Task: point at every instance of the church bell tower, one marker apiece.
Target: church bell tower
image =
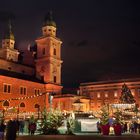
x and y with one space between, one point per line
8 52
48 57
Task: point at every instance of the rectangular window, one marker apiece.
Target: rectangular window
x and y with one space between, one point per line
23 90
7 88
106 95
98 95
54 51
133 92
54 79
43 51
37 91
115 94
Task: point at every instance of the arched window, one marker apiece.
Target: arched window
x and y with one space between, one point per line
22 105
6 103
37 105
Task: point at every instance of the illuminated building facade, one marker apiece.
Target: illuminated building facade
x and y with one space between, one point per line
25 85
108 92
28 79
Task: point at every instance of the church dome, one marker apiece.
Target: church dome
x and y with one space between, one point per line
9 35
48 21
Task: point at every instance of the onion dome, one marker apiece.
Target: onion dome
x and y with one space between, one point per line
48 21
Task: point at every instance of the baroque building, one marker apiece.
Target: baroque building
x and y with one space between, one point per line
27 88
109 92
31 81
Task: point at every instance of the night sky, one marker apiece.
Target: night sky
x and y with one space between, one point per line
101 38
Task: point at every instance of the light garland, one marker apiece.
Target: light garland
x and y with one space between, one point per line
23 98
124 106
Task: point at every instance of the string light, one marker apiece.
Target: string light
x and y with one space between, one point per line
23 98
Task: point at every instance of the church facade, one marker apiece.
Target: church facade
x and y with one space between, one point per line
26 88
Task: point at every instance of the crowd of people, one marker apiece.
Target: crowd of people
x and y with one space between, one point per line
132 127
14 127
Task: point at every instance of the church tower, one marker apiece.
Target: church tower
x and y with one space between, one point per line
48 57
8 52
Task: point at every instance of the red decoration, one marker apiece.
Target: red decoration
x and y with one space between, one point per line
117 129
105 129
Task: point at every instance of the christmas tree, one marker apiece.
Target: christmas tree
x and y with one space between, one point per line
126 95
52 121
104 115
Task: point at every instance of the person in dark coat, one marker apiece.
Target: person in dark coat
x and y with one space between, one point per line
125 127
2 129
11 130
32 128
21 127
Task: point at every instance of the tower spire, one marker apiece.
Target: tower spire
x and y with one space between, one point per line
9 34
8 51
10 26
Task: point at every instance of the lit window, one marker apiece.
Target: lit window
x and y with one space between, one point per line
7 88
115 94
99 104
133 92
23 90
98 95
106 95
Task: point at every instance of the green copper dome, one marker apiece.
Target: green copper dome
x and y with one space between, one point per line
48 21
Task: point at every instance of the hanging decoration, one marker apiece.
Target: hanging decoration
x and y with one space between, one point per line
23 98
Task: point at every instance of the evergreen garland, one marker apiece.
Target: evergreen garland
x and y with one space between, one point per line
126 95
